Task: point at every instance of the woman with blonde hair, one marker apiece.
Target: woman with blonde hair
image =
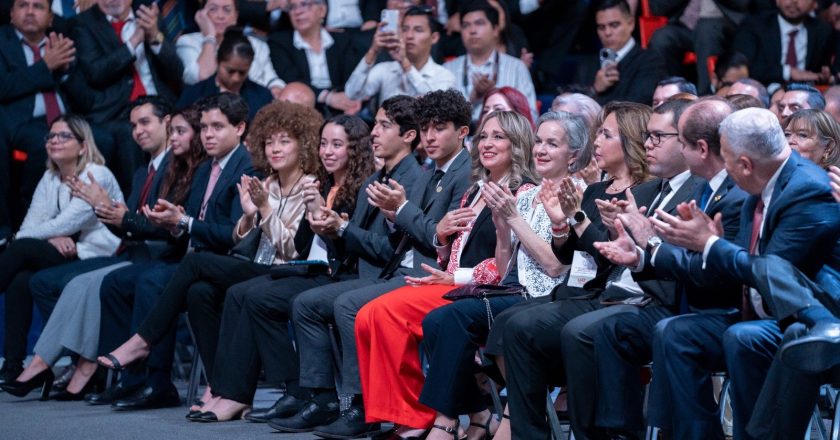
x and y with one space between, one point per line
815 134
58 228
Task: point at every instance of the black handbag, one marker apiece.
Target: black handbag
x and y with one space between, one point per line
483 293
246 249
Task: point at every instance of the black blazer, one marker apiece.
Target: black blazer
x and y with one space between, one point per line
367 235
291 65
802 225
673 9
640 70
106 65
215 232
254 94
759 38
20 83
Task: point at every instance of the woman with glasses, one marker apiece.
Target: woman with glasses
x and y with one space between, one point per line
58 228
198 50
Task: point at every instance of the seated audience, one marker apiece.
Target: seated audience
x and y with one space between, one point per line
58 229
122 55
234 60
198 50
74 323
506 99
412 72
814 134
311 55
299 93
389 330
729 68
741 102
483 68
799 96
630 73
669 87
787 44
832 102
749 86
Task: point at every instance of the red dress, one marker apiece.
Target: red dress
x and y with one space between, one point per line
389 330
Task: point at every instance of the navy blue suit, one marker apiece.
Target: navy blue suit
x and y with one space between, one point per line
801 225
129 293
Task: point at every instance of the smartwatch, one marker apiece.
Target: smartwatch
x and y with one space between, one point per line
579 217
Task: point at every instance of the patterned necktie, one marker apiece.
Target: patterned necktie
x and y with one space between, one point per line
51 107
172 18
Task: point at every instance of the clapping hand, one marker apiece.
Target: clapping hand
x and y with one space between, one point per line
328 224
621 251
111 214
691 229
312 199
164 214
93 193
500 200
551 202
388 198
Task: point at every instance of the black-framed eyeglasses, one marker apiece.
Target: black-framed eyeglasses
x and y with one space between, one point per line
656 137
60 136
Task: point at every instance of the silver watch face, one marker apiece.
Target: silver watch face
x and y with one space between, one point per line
654 241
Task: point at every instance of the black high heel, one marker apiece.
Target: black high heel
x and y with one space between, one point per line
43 379
95 384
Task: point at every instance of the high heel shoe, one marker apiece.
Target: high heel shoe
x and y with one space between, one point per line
210 416
95 384
43 379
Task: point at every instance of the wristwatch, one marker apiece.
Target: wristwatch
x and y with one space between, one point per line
183 224
579 217
652 243
341 228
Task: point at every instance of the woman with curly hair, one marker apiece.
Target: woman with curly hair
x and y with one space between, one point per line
254 329
74 323
283 144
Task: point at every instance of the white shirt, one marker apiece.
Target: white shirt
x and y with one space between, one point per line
717 181
54 212
388 79
800 41
628 46
343 14
319 73
512 72
262 71
141 64
40 107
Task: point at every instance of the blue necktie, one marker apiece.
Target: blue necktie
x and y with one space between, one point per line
705 197
67 9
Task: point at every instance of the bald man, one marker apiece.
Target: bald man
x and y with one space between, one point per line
299 93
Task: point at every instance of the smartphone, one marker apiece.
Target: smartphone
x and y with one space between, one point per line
608 57
390 18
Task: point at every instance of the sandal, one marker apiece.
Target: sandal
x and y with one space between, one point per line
115 364
486 426
449 430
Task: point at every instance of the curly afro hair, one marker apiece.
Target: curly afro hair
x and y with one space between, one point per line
299 122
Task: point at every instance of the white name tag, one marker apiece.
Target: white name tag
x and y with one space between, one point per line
583 269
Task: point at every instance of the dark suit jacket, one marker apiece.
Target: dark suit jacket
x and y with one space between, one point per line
368 236
802 225
215 232
254 94
731 9
20 83
291 65
640 70
106 65
759 38
727 201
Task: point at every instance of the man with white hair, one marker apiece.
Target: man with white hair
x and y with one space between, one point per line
577 104
751 87
790 213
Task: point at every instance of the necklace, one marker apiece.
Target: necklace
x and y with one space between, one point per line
612 190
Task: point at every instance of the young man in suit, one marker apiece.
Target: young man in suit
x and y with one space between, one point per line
787 45
634 73
397 241
790 213
622 343
122 54
205 224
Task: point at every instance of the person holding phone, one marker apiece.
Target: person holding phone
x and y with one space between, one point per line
624 71
413 71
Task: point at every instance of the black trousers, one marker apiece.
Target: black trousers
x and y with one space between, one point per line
254 334
199 283
18 263
532 350
603 351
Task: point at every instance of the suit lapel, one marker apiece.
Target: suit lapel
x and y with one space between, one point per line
447 179
483 216
687 189
227 174
771 211
719 195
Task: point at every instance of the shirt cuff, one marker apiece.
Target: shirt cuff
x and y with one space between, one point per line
401 207
708 247
156 47
640 266
463 276
189 225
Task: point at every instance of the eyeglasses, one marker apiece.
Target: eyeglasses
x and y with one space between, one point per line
656 137
305 5
61 136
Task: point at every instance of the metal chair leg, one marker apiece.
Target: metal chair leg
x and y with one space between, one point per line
553 421
816 420
196 371
835 421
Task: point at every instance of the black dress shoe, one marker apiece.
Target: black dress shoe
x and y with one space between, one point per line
149 398
815 352
286 406
351 424
112 394
310 416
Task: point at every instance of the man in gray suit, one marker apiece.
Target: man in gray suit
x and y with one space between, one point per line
392 233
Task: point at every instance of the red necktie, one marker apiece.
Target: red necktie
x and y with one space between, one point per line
144 194
747 310
51 107
791 58
138 89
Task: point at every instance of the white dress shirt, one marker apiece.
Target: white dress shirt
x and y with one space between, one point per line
388 79
800 41
319 72
262 71
40 107
343 14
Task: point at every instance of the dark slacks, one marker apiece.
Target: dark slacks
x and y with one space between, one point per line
46 285
338 303
199 283
21 260
687 349
254 334
451 336
602 351
532 350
